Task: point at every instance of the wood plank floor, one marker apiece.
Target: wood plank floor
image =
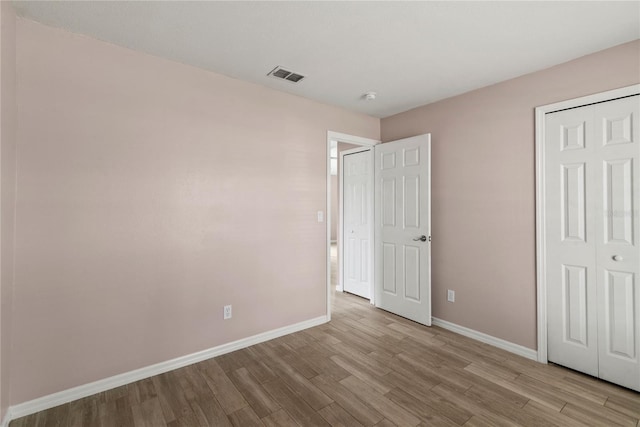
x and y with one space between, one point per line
366 367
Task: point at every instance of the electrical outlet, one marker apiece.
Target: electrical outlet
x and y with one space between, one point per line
227 312
451 295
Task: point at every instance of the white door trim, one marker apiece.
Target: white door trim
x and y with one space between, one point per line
349 139
340 285
541 250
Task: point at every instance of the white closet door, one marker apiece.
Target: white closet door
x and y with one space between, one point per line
571 258
592 186
617 198
358 205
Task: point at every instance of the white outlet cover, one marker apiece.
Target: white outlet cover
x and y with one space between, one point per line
320 216
451 295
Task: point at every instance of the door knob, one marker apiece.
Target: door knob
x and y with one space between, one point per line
617 258
422 238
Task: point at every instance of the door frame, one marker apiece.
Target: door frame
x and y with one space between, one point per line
541 249
349 139
340 285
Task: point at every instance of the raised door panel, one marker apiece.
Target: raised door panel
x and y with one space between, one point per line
573 135
389 271
388 186
573 202
411 198
618 201
617 128
619 315
388 160
364 261
350 256
574 305
412 273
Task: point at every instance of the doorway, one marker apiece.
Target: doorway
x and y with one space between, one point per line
336 142
402 227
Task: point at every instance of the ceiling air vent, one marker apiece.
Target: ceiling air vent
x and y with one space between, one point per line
281 73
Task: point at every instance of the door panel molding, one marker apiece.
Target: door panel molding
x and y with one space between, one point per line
618 303
618 178
574 303
615 132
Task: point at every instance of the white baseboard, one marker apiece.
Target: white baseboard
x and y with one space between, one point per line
59 398
487 339
7 419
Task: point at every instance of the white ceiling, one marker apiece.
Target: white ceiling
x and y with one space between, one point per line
410 53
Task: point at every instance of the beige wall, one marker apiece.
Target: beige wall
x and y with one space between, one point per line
484 188
7 178
150 195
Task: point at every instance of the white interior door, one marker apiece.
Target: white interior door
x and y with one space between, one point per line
357 196
403 228
592 209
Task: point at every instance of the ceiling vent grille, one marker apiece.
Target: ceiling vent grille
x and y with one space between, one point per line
283 74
